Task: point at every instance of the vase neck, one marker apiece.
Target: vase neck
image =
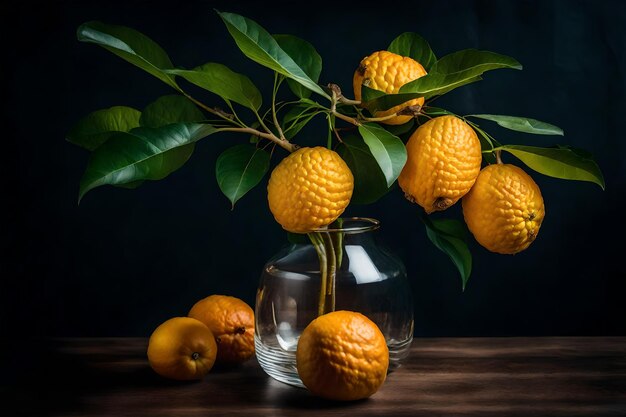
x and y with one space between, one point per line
329 244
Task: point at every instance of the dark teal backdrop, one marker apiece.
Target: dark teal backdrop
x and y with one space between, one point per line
124 261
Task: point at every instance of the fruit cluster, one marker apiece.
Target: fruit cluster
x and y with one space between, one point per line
218 329
502 205
341 355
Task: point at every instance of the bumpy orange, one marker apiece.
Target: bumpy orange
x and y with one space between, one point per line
232 322
443 161
386 71
504 210
182 348
309 189
342 356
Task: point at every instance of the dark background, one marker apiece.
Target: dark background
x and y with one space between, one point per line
124 261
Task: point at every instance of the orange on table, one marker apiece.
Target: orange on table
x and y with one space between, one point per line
182 348
231 321
342 356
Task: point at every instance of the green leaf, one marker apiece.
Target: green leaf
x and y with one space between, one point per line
258 45
561 162
97 127
521 124
387 149
414 46
139 155
369 182
170 109
220 80
438 84
239 169
451 227
435 84
478 61
449 236
375 99
450 72
164 111
131 45
457 69
307 58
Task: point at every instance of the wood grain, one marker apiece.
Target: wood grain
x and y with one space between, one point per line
455 376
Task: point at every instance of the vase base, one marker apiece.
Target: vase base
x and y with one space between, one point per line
398 352
278 363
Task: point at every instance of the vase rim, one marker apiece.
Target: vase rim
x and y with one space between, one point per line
368 224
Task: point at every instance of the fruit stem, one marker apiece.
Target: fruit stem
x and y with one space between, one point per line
343 100
329 252
331 127
339 97
320 248
331 269
336 94
498 156
336 131
195 356
380 119
345 118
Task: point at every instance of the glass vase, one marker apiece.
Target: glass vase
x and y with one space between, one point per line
338 268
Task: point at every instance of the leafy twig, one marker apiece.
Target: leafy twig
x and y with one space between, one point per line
215 111
270 136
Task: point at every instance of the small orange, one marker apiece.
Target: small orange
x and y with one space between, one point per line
182 348
232 322
388 72
342 356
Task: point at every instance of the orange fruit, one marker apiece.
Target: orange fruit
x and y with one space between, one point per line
309 189
342 356
443 161
504 209
182 348
231 321
386 71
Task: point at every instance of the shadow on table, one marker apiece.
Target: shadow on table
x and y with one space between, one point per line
44 377
286 396
57 378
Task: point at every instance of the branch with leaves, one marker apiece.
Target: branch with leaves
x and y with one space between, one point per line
129 146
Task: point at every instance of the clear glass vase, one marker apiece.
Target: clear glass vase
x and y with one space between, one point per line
338 268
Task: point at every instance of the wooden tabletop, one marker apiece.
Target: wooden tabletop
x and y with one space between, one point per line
452 376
